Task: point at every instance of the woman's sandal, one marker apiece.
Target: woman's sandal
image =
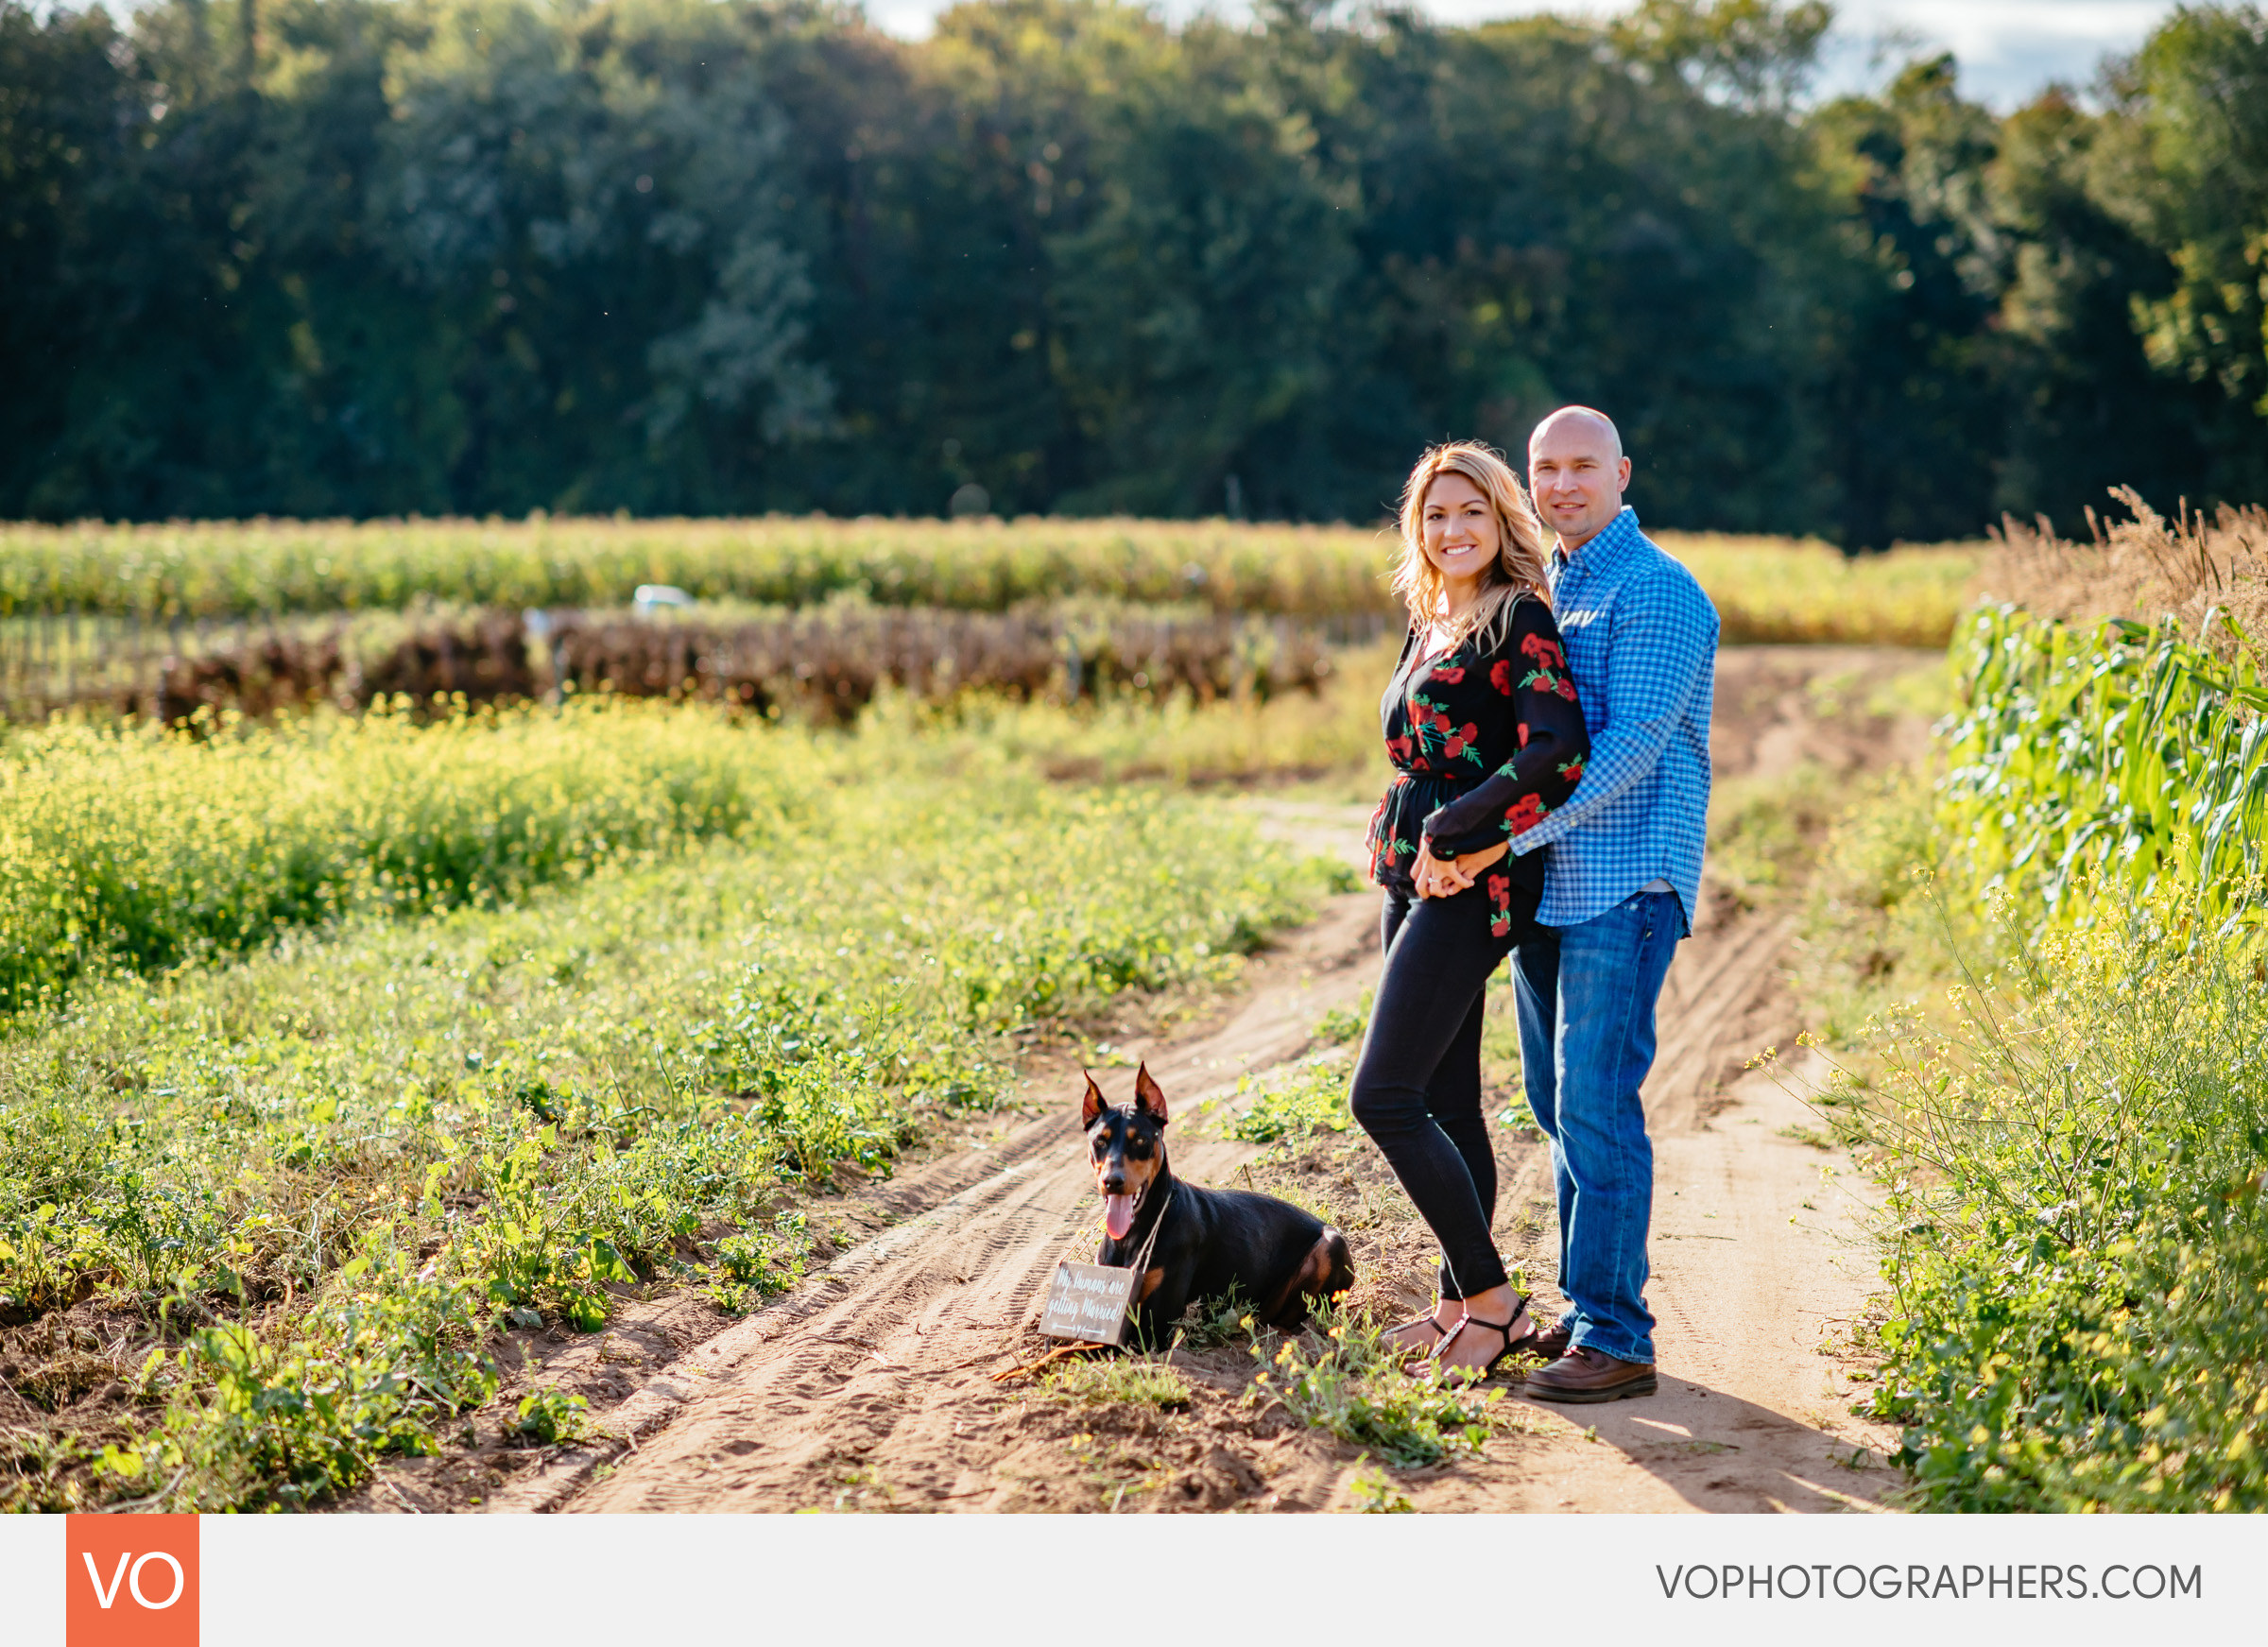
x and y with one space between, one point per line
1441 1336
1525 1344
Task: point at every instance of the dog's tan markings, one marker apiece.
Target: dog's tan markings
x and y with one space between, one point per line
1309 1278
1151 1280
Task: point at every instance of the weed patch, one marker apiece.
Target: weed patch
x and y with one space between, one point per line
1351 1385
2081 1232
1370 1491
1128 1380
1312 1099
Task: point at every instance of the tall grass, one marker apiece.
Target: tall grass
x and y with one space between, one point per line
2146 567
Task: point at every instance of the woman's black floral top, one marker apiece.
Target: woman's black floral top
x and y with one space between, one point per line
1484 743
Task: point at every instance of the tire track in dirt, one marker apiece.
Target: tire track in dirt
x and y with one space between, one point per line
876 1373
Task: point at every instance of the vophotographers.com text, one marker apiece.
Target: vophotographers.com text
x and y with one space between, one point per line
1915 1581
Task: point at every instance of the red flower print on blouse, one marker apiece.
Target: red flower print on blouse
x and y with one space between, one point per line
1468 738
1500 894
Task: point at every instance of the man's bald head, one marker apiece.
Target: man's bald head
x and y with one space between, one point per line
1590 421
1577 472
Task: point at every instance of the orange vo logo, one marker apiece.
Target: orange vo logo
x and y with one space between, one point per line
130 1581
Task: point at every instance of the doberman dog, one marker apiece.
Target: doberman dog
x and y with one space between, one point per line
1211 1240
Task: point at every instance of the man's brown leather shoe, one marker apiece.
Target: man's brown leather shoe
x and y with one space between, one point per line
1586 1375
1545 1343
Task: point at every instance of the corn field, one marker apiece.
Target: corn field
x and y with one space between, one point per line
2110 751
2077 1140
269 567
162 579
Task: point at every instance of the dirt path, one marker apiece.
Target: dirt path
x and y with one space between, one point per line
871 1386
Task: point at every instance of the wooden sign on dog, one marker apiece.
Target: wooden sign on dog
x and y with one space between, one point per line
1088 1302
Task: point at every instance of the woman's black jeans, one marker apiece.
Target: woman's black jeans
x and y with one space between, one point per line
1417 1082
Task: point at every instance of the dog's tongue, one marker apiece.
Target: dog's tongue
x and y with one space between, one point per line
1118 1215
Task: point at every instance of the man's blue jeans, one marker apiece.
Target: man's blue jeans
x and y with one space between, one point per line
1586 996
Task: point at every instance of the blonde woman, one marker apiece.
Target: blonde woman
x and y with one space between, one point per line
1486 738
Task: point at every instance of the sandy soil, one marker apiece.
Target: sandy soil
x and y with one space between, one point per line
871 1386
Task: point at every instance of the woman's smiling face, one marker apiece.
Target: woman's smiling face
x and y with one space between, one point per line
1459 532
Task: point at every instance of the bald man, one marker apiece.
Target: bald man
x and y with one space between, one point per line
1619 890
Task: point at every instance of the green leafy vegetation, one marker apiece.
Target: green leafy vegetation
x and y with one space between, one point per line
1311 1098
1342 1376
548 1417
124 848
318 1181
1370 1491
2074 1133
1343 1025
2080 1275
2118 751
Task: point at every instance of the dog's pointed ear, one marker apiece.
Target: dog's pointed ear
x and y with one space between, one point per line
1147 1098
1090 1106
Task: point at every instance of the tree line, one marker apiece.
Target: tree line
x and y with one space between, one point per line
371 257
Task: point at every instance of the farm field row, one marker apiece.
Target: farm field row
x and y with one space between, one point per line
822 663
1767 589
262 1220
2063 1079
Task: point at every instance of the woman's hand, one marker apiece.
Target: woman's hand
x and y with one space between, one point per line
1445 877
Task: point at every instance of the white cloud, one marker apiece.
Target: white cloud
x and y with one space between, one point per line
2007 49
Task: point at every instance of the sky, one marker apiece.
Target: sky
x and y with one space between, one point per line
2007 49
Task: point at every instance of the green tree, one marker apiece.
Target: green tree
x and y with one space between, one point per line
2188 169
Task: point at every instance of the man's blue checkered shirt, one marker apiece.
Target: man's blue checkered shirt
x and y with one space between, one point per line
1641 644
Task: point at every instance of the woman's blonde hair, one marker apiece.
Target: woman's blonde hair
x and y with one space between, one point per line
1519 568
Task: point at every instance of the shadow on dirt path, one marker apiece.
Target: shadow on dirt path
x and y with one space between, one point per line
871 1386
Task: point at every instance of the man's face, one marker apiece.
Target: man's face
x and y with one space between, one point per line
1577 477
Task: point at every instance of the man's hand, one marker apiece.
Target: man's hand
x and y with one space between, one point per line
1445 877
